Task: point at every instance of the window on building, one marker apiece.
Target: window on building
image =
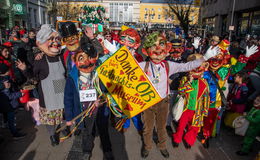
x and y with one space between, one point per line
159 9
145 16
159 16
172 16
121 12
35 17
44 17
166 17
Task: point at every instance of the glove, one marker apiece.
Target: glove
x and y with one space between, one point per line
211 52
249 51
196 42
109 46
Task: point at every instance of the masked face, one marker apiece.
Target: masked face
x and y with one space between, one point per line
128 41
52 46
72 42
176 52
84 63
216 62
159 50
198 72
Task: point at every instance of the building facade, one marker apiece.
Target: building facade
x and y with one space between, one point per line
158 12
38 13
13 12
217 14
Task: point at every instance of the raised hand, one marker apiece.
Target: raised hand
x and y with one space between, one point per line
109 46
211 52
21 65
196 42
250 51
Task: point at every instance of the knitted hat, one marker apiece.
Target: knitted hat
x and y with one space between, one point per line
3 68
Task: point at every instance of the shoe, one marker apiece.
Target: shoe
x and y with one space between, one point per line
86 156
18 136
144 153
241 153
205 143
186 145
108 156
165 153
175 145
169 130
54 140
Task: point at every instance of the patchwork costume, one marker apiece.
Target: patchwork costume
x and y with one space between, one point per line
196 107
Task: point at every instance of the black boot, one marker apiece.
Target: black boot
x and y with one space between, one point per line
175 145
144 153
53 141
205 143
165 153
186 145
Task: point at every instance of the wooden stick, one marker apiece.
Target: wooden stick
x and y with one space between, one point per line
74 119
77 117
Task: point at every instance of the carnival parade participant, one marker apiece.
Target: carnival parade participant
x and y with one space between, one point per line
130 38
196 92
219 70
72 38
49 71
83 80
158 71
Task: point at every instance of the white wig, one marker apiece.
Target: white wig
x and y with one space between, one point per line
44 33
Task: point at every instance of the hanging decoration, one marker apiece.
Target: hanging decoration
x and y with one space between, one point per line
93 15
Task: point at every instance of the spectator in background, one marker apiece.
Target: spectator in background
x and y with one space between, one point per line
9 100
238 94
235 50
5 58
32 39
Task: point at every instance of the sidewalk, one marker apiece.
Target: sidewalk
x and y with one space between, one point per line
36 146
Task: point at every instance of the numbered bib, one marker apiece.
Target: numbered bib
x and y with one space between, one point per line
88 95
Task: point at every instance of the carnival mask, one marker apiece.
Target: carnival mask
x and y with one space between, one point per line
198 72
159 50
85 59
72 42
216 62
52 45
176 52
130 38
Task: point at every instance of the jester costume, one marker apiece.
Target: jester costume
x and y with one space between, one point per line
220 76
197 103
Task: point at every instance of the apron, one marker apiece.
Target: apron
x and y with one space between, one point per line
53 86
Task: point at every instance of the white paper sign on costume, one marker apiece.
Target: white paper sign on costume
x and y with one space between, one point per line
88 95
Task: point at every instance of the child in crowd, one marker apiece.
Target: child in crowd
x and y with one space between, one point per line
9 100
238 95
253 129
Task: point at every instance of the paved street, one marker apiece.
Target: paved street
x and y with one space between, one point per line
36 146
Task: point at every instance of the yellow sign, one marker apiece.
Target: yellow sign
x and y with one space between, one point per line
127 83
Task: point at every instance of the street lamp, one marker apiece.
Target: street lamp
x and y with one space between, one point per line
232 19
